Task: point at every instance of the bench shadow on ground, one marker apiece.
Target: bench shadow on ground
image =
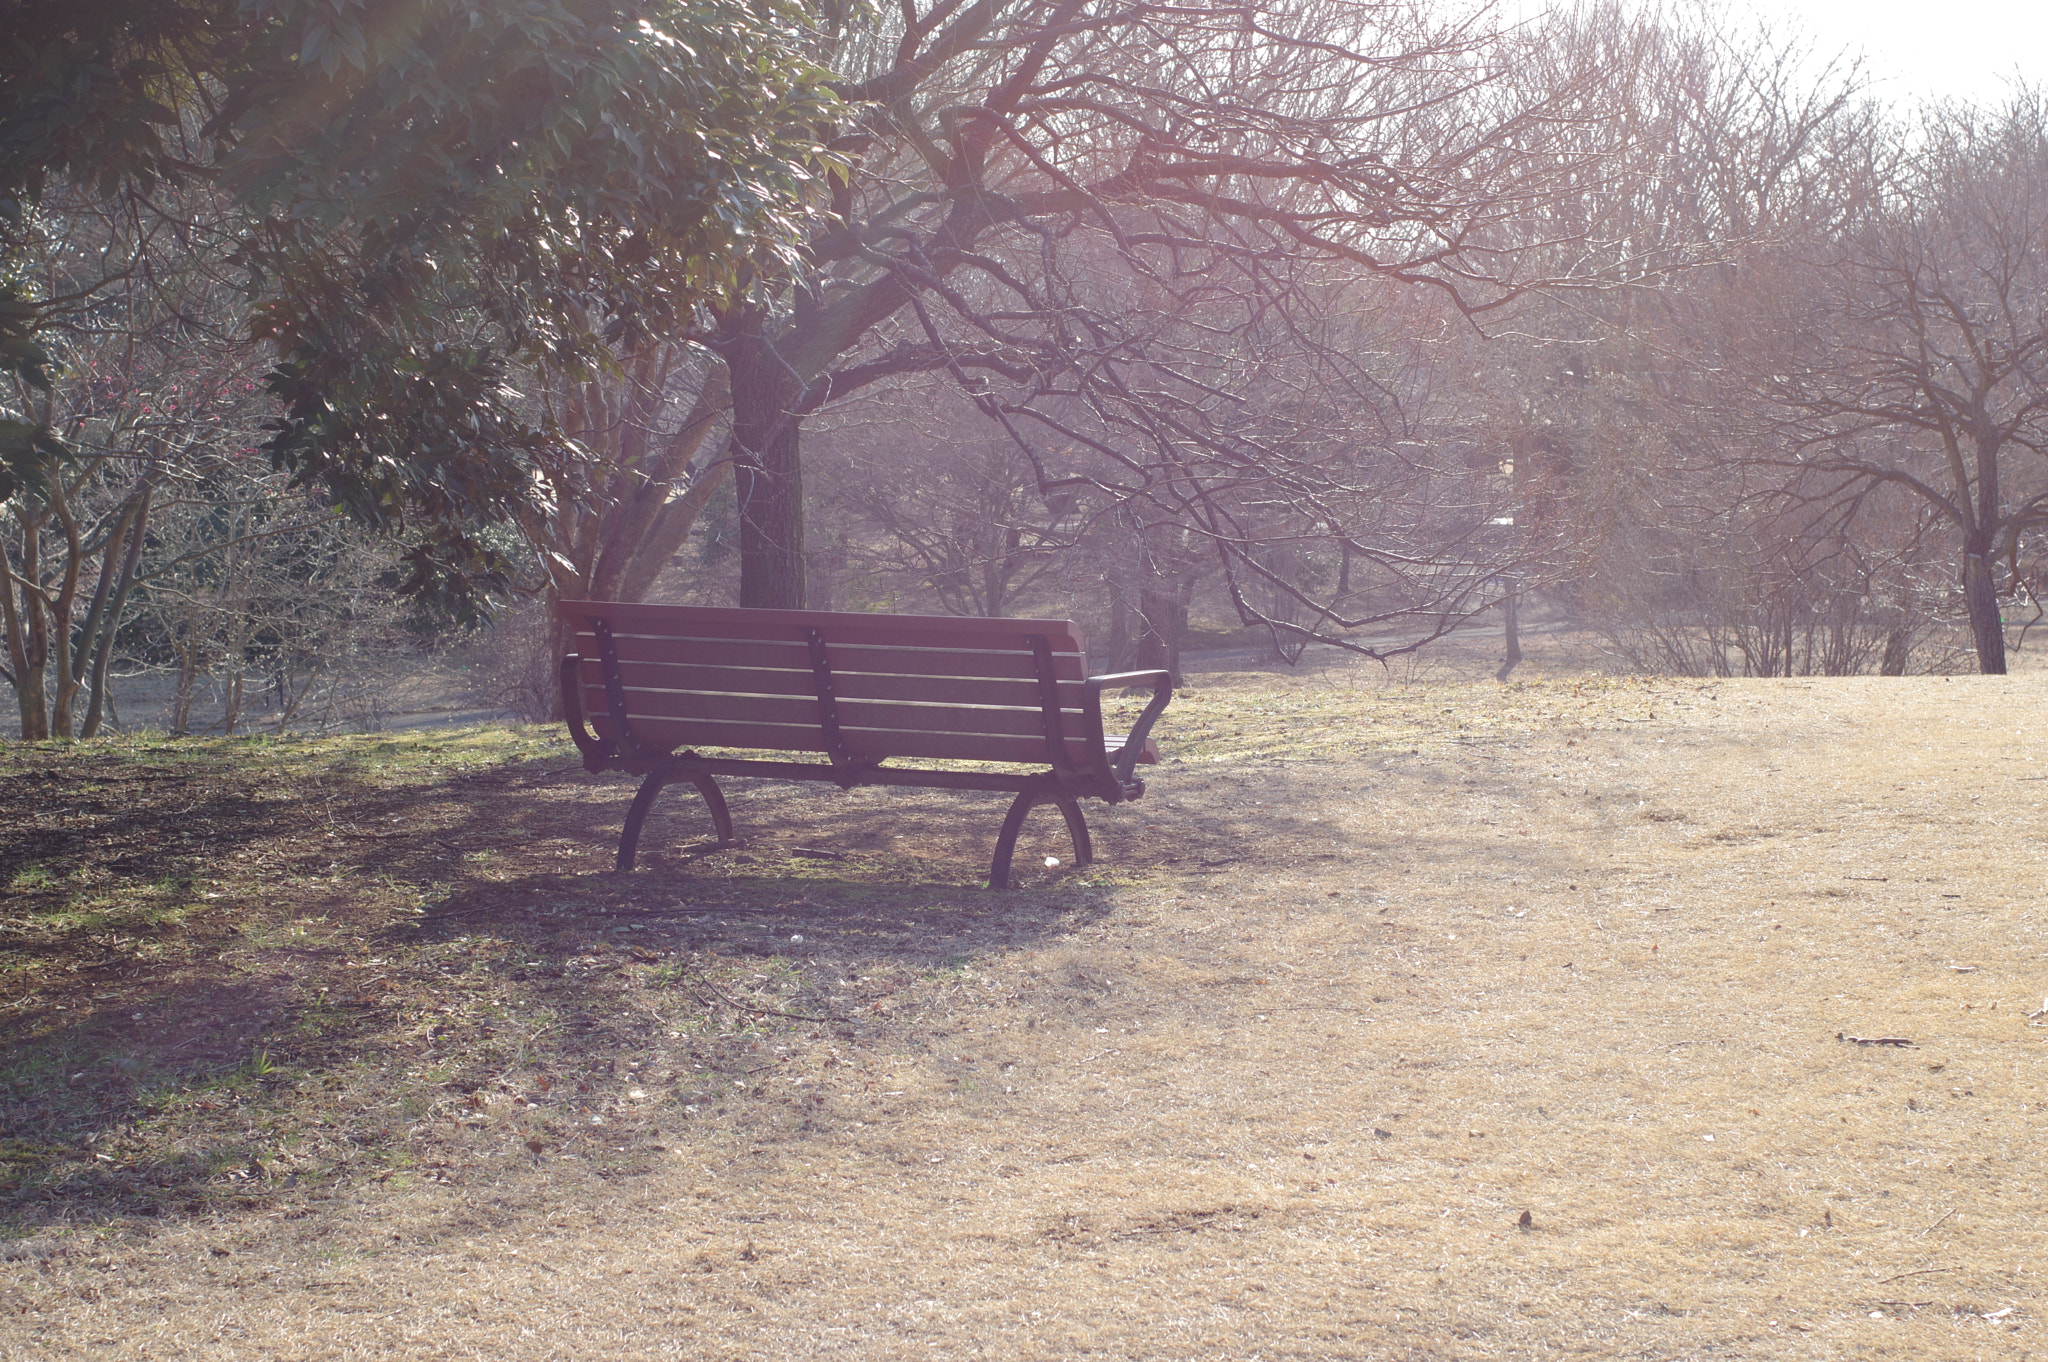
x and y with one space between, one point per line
203 970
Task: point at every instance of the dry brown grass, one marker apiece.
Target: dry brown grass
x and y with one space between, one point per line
1277 1079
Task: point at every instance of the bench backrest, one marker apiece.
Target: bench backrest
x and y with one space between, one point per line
903 685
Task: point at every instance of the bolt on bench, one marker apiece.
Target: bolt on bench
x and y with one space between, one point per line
863 690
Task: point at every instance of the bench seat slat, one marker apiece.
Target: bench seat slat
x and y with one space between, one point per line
644 706
864 743
658 676
951 631
1019 723
848 685
1010 640
800 710
1016 664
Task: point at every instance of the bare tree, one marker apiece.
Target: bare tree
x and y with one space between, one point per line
1100 220
263 608
166 542
147 376
1710 580
1911 351
1581 392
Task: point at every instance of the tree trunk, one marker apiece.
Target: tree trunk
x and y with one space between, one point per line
99 702
31 673
188 678
1123 639
62 638
1511 616
768 477
231 700
86 639
14 605
1898 647
1980 595
1165 620
32 681
1520 458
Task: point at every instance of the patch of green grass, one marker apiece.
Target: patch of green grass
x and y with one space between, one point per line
32 877
32 1071
115 914
17 966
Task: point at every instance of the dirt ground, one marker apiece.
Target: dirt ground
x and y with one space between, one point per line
1410 1018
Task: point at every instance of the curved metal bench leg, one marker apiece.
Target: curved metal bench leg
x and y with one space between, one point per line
636 818
1077 828
643 803
721 817
1013 824
1006 841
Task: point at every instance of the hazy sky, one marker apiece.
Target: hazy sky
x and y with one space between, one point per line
1934 49
1913 49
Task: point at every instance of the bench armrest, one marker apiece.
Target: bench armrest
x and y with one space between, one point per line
597 755
1162 693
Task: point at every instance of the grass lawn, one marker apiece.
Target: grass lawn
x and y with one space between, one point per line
351 1046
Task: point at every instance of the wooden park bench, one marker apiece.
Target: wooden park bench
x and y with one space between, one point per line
865 691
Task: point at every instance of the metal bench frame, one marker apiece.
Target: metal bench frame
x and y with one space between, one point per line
1106 774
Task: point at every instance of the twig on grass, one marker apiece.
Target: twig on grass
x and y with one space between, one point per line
1923 1233
1877 1040
1920 1273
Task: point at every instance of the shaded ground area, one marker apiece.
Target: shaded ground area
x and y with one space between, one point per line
1280 1076
230 964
